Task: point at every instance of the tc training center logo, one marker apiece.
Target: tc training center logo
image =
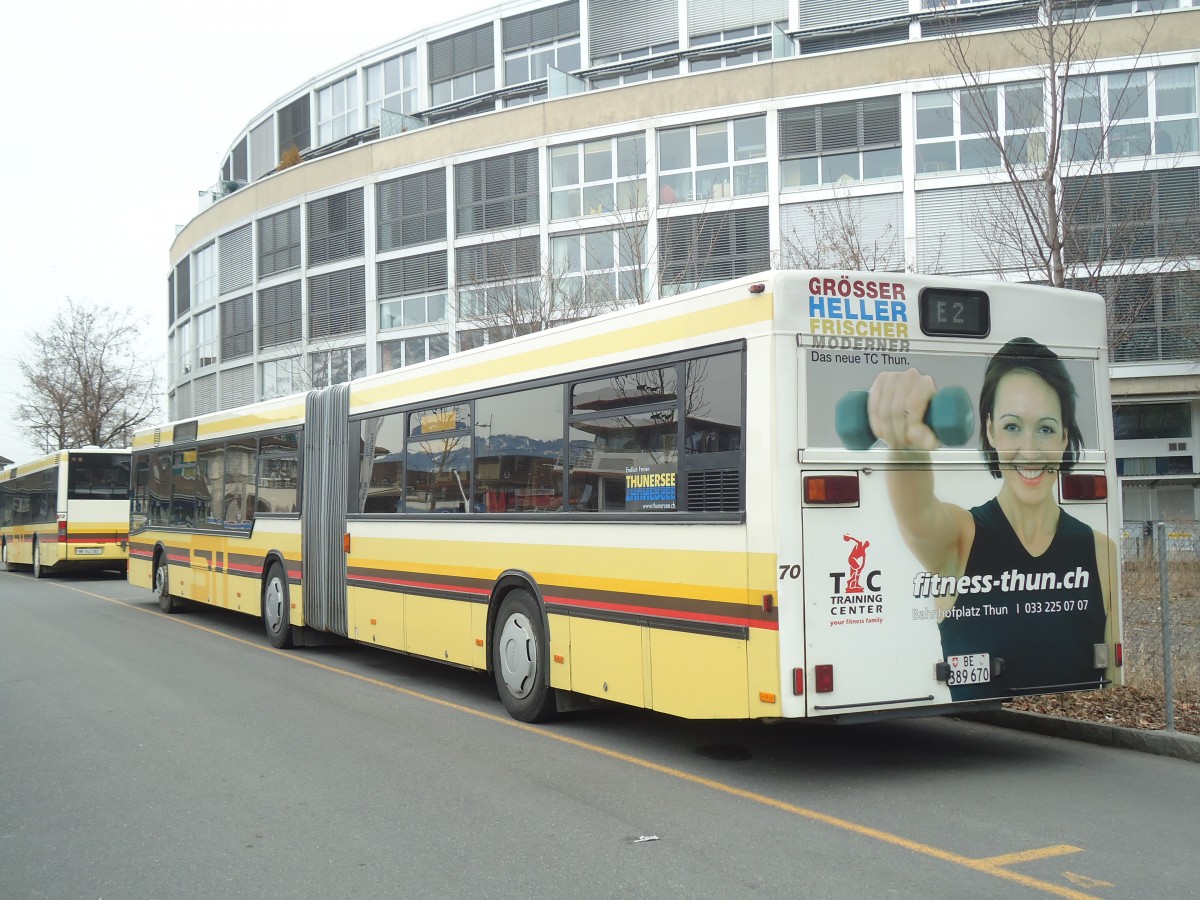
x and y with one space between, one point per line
857 597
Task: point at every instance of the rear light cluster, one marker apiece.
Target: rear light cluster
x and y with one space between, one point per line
1084 487
822 680
831 489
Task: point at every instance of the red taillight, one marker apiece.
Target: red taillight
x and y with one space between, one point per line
1119 653
830 488
824 679
1084 487
62 529
798 682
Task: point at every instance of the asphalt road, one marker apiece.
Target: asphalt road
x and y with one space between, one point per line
153 756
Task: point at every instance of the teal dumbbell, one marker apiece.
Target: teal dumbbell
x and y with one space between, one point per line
950 415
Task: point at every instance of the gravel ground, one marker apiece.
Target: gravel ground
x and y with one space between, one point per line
1128 707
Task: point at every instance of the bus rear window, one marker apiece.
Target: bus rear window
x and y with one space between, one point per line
100 477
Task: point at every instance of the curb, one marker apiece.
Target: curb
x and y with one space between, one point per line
1160 743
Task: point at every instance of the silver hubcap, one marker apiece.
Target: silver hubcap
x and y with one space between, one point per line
160 581
37 560
273 605
518 655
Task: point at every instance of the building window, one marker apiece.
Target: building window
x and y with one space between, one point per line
183 348
1150 421
206 338
1154 317
718 59
410 210
410 350
337 303
293 125
412 290
496 193
709 248
183 286
337 110
204 274
279 242
281 377
957 130
279 315
651 71
392 86
1123 7
597 177
236 257
541 38
712 161
500 286
1130 215
599 270
1122 114
840 143
328 367
335 227
237 327
462 65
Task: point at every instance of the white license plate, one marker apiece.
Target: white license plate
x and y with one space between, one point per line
88 551
970 668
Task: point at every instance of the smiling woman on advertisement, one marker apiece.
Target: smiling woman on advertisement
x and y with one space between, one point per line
1017 577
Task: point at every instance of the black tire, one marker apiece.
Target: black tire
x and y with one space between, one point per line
8 567
520 659
38 571
167 601
277 608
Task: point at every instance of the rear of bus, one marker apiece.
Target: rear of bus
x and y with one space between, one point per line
918 581
93 522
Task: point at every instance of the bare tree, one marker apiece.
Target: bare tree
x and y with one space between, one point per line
1080 197
86 381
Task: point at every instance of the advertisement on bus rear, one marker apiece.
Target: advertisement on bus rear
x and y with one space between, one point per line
962 533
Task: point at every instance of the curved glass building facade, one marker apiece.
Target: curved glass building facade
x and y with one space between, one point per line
539 162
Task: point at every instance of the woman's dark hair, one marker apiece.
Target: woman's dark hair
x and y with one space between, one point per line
1024 354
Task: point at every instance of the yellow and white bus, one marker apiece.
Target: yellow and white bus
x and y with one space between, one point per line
684 506
68 510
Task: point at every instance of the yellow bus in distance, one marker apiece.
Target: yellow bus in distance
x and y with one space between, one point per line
68 510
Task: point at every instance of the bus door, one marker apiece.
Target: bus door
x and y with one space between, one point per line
326 475
868 649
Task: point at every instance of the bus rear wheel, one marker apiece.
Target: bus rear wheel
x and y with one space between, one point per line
520 654
276 608
8 567
37 560
167 602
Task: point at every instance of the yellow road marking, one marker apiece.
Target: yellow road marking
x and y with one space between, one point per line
992 865
1029 855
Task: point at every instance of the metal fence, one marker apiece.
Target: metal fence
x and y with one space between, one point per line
1160 586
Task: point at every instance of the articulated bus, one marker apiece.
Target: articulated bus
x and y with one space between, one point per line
794 495
68 510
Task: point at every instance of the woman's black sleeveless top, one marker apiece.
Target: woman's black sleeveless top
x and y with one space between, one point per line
1042 615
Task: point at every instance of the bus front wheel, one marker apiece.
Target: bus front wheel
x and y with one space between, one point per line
276 608
519 659
162 587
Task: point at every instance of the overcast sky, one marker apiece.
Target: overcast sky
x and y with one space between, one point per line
117 115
